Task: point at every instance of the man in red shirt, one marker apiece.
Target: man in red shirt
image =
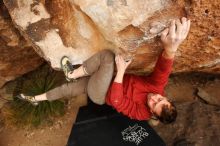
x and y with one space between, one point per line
128 93
138 97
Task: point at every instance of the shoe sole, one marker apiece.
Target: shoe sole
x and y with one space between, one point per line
63 62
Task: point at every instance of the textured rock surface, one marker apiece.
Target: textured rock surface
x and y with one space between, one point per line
210 93
16 55
56 29
196 125
79 28
6 93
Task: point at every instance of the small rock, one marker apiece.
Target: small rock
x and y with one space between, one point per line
29 135
208 97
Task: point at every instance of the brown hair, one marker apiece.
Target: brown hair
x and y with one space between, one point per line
168 114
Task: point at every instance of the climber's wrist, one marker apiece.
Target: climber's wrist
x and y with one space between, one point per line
169 54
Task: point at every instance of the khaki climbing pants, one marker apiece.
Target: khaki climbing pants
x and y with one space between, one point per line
100 68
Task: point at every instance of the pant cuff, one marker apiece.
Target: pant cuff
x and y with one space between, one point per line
85 70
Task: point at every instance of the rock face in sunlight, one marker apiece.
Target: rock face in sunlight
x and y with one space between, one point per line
56 28
80 28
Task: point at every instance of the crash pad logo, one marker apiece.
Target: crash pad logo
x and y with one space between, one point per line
134 134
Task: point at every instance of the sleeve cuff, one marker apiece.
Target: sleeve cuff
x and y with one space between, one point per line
116 85
166 60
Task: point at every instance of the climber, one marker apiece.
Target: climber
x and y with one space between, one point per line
138 97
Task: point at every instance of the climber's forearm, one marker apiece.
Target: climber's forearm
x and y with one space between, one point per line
121 65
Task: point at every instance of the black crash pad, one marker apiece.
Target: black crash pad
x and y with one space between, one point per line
102 126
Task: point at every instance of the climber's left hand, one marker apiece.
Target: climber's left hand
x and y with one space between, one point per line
173 36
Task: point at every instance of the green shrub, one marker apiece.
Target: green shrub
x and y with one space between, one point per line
38 82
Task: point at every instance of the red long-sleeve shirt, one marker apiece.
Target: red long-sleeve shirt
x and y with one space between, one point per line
130 97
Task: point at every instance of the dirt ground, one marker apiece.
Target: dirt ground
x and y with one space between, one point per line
55 135
197 123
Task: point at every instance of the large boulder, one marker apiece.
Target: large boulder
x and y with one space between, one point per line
80 28
16 55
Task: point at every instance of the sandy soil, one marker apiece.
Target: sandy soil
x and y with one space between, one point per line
55 135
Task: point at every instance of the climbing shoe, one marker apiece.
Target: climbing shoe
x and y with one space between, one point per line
67 67
30 99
